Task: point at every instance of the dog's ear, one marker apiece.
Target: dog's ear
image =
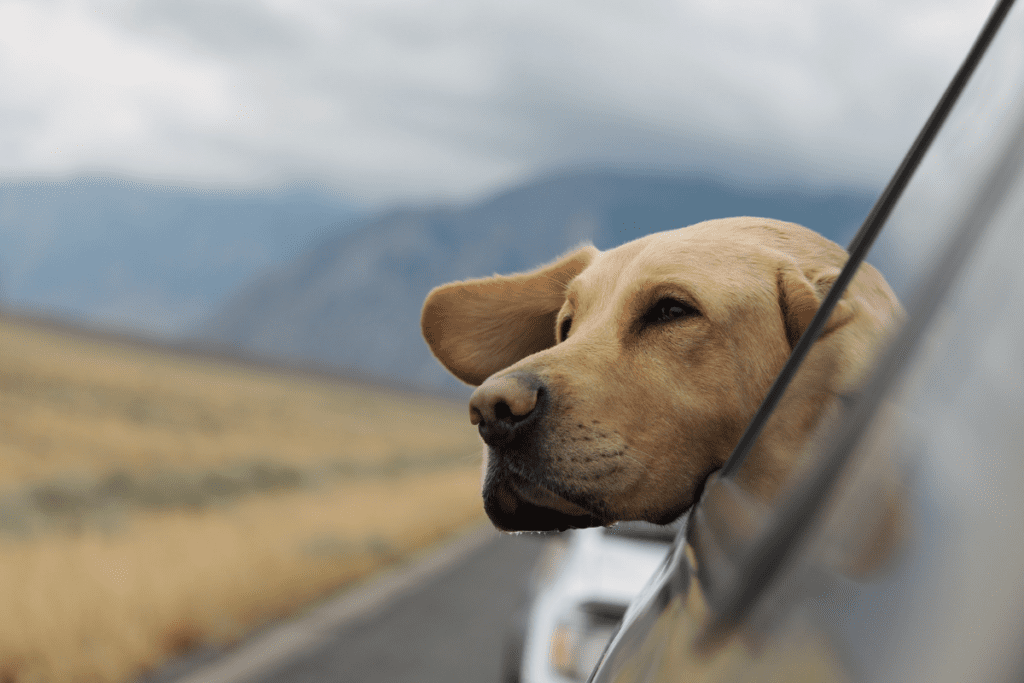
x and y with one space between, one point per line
478 327
800 294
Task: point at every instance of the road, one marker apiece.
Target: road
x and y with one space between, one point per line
442 623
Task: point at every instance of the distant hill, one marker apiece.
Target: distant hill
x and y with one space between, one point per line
353 300
144 257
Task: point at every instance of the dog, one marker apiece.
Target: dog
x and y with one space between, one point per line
611 384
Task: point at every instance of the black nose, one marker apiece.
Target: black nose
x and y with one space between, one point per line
506 408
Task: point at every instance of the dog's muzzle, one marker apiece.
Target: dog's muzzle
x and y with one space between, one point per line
510 412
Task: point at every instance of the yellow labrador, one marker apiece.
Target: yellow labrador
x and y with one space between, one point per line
611 384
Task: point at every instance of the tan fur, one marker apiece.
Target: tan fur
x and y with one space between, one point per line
640 416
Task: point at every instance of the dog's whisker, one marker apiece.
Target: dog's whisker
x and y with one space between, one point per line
642 465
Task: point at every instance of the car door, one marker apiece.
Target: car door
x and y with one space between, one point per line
800 591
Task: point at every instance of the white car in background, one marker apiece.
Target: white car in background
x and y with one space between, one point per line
580 589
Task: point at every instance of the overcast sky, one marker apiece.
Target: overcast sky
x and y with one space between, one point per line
401 100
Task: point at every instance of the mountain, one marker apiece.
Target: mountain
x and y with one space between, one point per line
143 257
352 302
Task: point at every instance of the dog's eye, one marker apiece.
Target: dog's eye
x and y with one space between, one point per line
668 309
564 330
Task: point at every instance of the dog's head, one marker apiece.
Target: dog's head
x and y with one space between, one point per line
611 384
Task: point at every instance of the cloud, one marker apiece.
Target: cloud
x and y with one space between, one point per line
402 99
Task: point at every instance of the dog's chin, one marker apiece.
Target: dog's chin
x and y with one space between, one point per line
512 509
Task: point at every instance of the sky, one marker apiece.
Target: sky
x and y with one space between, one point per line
401 100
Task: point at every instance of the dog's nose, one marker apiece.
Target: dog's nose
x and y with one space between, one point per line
503 407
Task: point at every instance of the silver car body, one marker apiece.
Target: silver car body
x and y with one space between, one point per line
943 416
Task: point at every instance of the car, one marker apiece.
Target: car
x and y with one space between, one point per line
579 591
798 591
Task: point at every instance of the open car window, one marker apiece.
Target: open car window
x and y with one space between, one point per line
942 415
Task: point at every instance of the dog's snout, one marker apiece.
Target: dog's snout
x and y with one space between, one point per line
504 407
504 398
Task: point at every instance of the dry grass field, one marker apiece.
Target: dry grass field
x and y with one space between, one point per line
151 501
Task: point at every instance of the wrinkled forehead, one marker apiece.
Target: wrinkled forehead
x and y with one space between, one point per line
711 268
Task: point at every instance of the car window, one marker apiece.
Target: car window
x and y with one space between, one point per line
953 417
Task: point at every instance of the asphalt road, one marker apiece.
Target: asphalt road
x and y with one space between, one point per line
450 630
447 624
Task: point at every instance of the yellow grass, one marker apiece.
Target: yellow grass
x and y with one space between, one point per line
93 607
103 603
69 404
